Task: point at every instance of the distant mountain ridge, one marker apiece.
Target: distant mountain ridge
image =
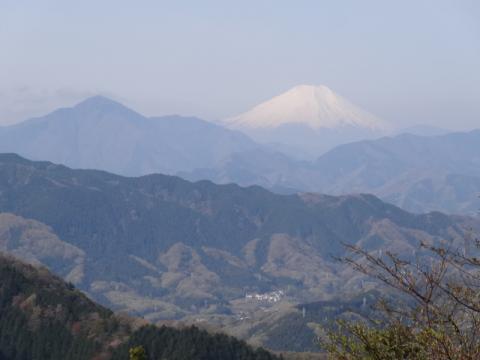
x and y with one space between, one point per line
423 130
417 173
99 133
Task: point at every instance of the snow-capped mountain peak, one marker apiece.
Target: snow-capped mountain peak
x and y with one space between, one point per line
315 106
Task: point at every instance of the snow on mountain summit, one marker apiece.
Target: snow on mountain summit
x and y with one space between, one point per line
315 106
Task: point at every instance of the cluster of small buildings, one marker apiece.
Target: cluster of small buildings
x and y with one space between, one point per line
271 297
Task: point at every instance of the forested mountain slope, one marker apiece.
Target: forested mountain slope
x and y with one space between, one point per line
167 248
43 318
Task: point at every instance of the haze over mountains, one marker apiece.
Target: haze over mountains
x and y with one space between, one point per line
417 173
240 181
102 134
414 172
238 259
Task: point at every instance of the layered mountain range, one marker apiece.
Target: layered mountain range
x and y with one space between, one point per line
165 248
417 173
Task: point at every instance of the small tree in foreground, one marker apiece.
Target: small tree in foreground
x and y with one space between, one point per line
137 353
438 316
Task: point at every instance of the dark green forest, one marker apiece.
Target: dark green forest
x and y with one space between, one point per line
44 318
189 343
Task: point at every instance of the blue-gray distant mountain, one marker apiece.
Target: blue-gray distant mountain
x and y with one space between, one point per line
102 134
423 130
417 173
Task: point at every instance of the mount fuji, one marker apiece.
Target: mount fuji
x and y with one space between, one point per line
308 120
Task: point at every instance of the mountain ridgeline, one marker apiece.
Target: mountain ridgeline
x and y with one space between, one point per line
165 248
100 133
417 173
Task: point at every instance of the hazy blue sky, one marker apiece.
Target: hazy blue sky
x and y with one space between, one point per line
406 61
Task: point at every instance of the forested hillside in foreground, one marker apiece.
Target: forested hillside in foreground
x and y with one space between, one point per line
42 318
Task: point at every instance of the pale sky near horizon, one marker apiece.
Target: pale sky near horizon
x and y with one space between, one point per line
408 62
